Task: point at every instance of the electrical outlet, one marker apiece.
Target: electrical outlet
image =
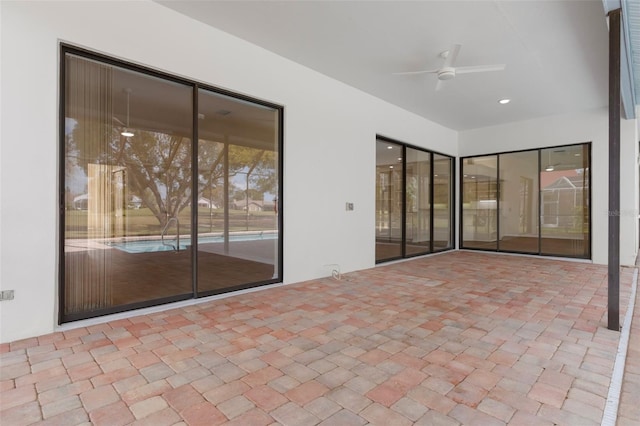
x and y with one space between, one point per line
6 295
349 207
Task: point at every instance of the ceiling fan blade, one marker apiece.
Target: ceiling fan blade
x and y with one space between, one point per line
439 85
452 55
480 68
416 72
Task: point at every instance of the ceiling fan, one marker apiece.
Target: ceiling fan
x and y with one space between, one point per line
448 71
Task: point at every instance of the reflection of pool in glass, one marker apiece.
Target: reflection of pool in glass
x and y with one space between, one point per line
152 246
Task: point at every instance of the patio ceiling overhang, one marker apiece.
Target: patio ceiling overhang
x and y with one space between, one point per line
629 53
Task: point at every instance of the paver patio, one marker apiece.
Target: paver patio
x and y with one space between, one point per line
457 338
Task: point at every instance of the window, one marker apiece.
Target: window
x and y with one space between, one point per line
534 201
169 190
413 201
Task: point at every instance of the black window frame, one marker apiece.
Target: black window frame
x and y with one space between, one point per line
65 49
539 150
452 221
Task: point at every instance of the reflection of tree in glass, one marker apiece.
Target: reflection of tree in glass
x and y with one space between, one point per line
258 164
158 165
159 170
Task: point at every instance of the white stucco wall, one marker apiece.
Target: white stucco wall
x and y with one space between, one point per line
591 126
329 154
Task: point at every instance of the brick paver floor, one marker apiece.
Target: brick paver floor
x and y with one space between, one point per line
458 338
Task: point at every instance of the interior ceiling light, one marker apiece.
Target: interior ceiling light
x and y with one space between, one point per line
389 147
504 101
399 158
126 132
391 167
550 167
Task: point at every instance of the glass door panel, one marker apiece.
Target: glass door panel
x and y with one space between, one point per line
238 186
480 202
417 202
519 202
442 185
127 187
389 196
564 198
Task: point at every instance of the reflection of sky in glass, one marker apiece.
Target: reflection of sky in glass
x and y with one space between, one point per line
69 125
76 180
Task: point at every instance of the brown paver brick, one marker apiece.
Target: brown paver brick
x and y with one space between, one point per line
265 397
60 406
409 408
183 397
386 394
431 399
144 408
496 409
254 417
381 415
17 396
349 399
471 417
112 415
203 414
294 415
235 406
322 407
23 414
343 417
99 397
224 392
306 392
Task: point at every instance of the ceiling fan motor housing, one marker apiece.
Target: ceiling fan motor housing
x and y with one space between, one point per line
447 73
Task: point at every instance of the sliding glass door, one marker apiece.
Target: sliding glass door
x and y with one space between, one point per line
418 202
237 193
519 202
413 201
564 198
137 193
534 201
480 202
127 188
442 202
389 200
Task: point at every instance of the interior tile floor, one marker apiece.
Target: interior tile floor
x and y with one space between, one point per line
457 338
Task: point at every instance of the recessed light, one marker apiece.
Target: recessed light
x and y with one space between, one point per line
504 101
127 133
473 177
389 147
466 175
399 158
549 168
577 154
391 167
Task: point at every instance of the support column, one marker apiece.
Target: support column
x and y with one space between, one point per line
614 172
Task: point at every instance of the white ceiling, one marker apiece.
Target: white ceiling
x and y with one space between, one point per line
555 51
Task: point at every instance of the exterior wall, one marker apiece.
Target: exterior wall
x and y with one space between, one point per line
591 126
329 139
